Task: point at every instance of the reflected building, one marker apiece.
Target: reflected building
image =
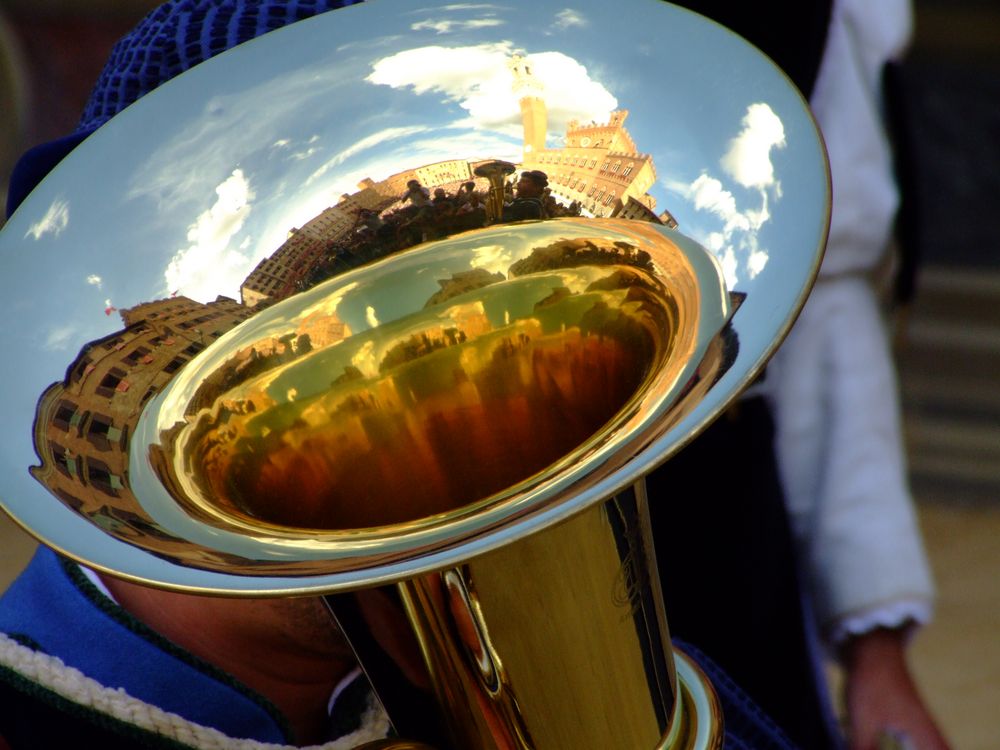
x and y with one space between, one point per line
277 275
286 271
599 165
83 423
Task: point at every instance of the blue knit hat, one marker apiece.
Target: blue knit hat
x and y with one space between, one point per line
176 36
180 34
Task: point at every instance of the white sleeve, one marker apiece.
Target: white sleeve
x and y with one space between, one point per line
839 442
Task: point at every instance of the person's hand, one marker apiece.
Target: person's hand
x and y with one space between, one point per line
884 707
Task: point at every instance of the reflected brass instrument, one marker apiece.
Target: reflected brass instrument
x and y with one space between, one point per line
496 172
426 409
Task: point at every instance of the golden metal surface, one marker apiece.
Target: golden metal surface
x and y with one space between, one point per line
569 655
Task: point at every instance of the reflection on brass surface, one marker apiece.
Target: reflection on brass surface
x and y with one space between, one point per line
455 409
471 389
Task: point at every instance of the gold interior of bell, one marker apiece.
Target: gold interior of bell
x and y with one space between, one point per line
493 380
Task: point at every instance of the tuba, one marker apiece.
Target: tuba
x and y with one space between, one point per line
245 368
495 173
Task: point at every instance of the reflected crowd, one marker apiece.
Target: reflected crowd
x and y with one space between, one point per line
421 215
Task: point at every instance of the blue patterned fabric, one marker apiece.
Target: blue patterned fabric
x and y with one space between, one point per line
747 727
52 608
180 34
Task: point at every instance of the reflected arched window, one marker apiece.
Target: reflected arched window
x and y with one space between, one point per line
627 171
616 166
610 198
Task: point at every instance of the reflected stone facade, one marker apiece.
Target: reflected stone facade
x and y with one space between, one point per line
84 423
599 165
285 271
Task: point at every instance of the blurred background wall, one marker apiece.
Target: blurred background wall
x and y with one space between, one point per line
947 330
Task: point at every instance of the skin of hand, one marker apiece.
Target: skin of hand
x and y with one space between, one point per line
881 697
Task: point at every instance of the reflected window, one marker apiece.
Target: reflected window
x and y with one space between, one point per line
101 431
610 198
135 356
63 460
111 382
100 477
67 416
83 368
616 167
627 171
174 365
593 163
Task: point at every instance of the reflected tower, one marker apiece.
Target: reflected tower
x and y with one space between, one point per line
534 115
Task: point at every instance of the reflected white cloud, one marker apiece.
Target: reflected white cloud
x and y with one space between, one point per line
493 258
708 194
95 280
59 339
365 359
55 220
747 162
479 80
443 26
327 305
179 171
370 316
568 18
748 158
208 266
